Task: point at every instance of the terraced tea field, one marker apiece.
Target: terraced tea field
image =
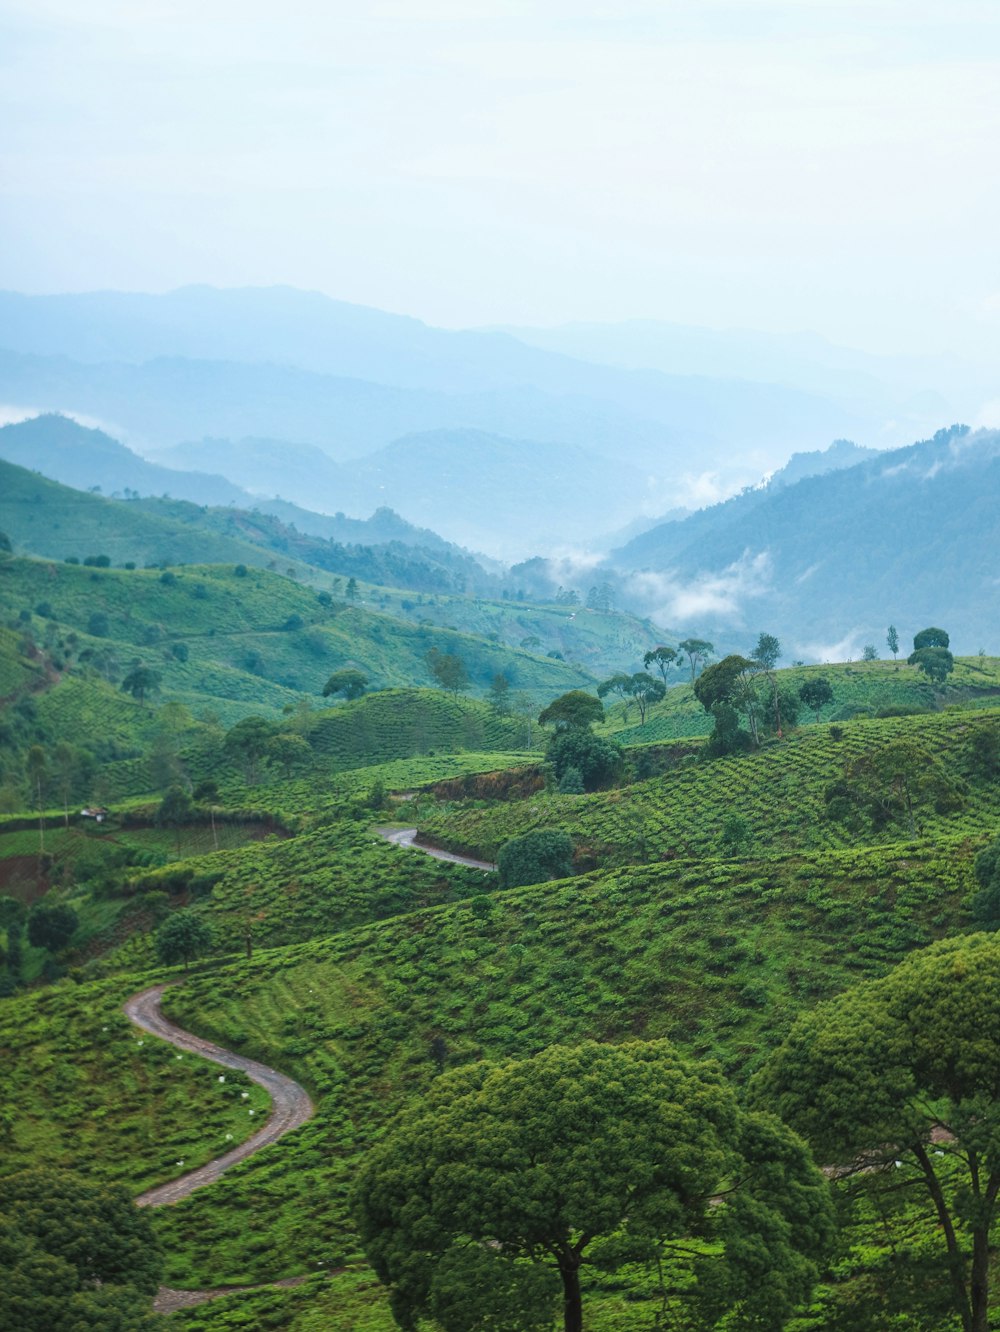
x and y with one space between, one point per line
779 791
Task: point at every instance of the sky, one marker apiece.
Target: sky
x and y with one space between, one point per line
787 165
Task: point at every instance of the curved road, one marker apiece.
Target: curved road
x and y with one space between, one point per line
290 1103
408 837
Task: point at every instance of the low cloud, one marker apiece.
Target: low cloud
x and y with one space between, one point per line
675 601
847 648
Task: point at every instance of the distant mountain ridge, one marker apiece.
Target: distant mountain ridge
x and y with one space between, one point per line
826 563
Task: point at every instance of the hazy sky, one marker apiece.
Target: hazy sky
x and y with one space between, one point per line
799 164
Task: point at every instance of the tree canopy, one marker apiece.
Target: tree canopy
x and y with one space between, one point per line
76 1255
931 638
697 651
661 659
448 669
816 694
904 1073
182 937
509 1173
349 682
936 662
574 709
535 857
51 925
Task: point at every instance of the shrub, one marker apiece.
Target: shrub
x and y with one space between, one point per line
535 857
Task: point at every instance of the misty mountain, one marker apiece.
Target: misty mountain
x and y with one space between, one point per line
910 393
446 379
827 562
87 459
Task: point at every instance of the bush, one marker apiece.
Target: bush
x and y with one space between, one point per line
598 761
535 857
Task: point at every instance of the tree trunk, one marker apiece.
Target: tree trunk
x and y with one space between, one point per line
980 1282
569 1270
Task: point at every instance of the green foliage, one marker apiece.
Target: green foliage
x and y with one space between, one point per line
930 638
629 1145
449 670
985 905
782 791
349 682
816 694
878 1069
576 710
892 641
51 925
598 761
76 1255
183 937
936 662
534 858
571 782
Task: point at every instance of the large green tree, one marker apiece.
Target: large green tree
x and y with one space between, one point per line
535 857
348 681
77 1256
246 745
448 670
140 681
661 659
595 1154
182 937
899 779
931 638
730 682
697 651
51 925
575 709
898 1081
937 663
816 693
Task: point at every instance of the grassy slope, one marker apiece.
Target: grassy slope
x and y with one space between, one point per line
857 686
84 1089
716 956
779 791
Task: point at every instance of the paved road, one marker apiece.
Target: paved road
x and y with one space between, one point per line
290 1103
408 837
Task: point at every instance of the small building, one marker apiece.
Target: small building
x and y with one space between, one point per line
96 812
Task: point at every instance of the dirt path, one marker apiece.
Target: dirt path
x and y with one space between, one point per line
290 1103
408 837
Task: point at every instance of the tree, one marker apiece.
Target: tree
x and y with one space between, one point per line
289 751
869 652
660 658
598 761
36 769
140 681
500 694
535 857
98 625
931 638
985 904
765 657
448 670
351 591
816 694
892 641
897 779
75 1254
697 651
937 663
730 681
571 782
182 937
645 691
595 1154
573 710
901 1076
51 925
246 745
349 682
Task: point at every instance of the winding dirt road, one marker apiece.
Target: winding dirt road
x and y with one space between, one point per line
408 837
290 1103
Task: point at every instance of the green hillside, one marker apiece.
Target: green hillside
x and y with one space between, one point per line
781 792
860 688
718 958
